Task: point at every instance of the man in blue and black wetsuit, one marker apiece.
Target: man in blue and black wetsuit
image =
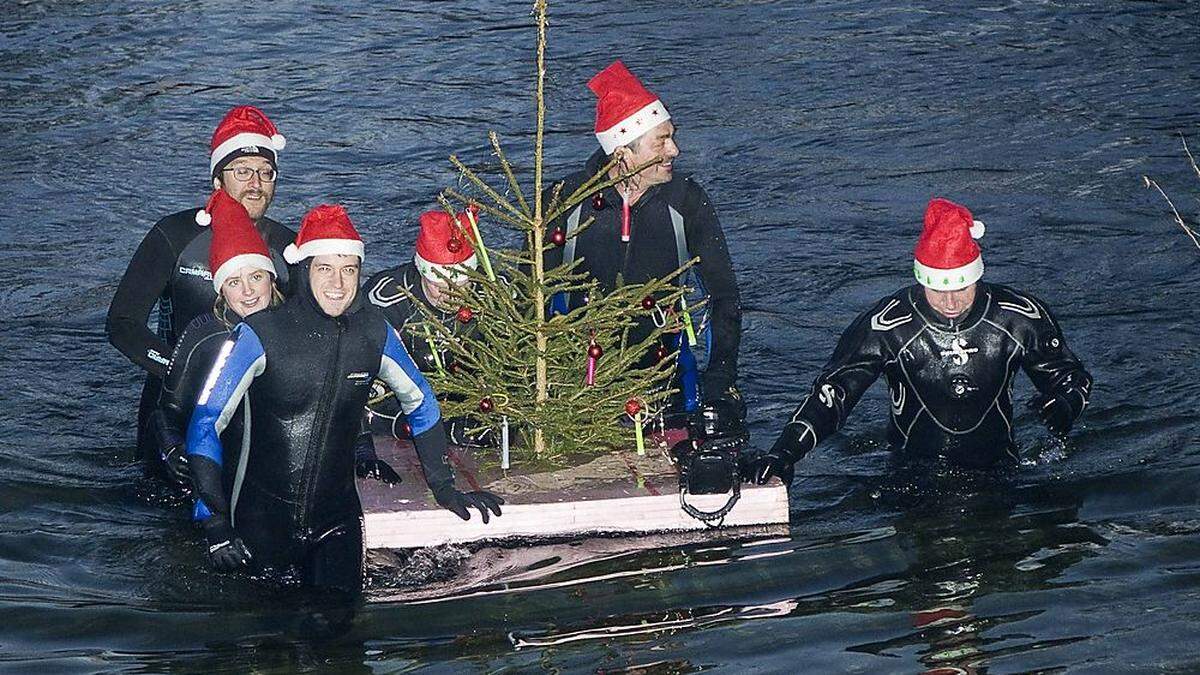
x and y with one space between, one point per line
307 368
650 224
950 348
170 267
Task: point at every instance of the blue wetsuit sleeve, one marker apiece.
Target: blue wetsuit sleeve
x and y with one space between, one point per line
240 360
412 390
419 403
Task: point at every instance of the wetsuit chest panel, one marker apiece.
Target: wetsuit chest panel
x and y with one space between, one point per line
650 253
191 290
306 412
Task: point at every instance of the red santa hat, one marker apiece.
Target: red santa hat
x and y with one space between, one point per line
947 257
236 244
443 246
245 131
325 230
625 109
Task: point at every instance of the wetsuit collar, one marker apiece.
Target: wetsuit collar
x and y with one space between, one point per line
983 299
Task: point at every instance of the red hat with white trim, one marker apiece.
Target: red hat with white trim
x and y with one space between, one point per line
443 247
325 230
625 109
236 244
244 132
947 257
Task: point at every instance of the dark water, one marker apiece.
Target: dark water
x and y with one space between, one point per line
820 129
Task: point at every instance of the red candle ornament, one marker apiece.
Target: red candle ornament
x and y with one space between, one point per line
626 225
464 315
594 351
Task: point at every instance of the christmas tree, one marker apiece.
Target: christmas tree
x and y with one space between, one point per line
572 384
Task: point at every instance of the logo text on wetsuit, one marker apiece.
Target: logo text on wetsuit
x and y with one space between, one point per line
359 377
195 272
958 352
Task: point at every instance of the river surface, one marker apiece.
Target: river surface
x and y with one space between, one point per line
820 130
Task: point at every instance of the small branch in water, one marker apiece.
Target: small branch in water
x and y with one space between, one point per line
1150 183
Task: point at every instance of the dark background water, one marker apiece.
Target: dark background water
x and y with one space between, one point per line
820 129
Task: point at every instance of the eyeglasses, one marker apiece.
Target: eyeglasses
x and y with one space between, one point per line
242 174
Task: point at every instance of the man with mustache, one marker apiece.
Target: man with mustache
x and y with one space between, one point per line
170 267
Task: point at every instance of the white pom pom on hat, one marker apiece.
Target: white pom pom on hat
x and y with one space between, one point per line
279 141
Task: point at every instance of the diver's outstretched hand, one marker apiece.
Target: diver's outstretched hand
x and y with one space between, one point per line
1056 412
460 502
377 469
228 555
759 468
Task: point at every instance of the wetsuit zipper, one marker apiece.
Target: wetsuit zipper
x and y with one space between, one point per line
312 459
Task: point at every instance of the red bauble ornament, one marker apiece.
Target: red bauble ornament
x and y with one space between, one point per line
486 405
558 237
595 351
464 315
661 353
598 201
633 407
454 245
648 303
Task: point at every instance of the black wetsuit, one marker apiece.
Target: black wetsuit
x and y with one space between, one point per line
950 381
170 269
308 376
384 290
651 253
190 364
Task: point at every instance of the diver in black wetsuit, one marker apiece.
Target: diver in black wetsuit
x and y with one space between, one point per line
441 251
307 367
669 220
950 348
242 272
170 267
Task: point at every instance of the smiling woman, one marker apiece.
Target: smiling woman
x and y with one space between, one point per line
243 274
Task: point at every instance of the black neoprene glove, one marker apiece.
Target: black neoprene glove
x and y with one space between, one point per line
448 497
377 469
780 460
226 552
1056 412
175 460
367 464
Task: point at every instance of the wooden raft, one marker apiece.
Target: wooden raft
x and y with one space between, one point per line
616 494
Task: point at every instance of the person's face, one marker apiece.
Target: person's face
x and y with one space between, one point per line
658 143
951 304
333 278
437 290
254 193
247 291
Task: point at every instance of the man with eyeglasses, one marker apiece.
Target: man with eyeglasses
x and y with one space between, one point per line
170 267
